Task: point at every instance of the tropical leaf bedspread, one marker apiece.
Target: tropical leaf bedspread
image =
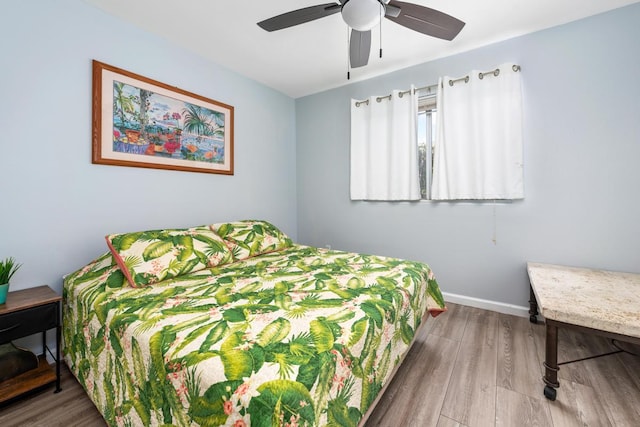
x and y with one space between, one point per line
299 337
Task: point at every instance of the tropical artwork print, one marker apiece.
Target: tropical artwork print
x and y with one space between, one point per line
301 336
146 123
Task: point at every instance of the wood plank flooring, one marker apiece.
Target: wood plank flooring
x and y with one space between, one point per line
468 367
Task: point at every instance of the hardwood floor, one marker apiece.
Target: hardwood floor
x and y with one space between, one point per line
468 367
474 367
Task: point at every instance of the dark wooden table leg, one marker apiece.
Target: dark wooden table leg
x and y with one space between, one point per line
551 362
533 306
44 343
58 344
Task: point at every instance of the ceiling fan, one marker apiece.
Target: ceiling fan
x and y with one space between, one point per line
362 15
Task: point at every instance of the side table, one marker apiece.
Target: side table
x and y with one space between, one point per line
591 301
28 312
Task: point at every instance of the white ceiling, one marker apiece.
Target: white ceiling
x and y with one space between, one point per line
312 57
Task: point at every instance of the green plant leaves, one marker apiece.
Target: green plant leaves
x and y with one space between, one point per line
157 249
237 363
357 331
215 335
339 415
8 268
322 335
124 241
274 332
185 243
207 410
434 292
311 333
282 400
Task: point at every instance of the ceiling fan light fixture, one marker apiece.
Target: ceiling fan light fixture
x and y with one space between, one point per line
361 15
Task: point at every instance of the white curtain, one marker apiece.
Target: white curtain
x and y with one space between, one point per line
384 151
478 148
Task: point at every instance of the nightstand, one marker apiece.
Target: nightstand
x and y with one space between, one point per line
28 312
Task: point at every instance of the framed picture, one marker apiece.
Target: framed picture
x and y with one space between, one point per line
141 122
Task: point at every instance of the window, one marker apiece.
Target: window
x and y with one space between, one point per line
467 145
426 138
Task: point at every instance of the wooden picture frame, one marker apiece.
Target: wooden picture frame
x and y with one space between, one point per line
141 122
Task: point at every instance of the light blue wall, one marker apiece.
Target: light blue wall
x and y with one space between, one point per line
582 139
582 147
56 206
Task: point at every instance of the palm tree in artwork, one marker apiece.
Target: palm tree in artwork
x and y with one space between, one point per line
144 105
202 121
121 102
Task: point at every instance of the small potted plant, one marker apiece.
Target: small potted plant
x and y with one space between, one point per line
8 268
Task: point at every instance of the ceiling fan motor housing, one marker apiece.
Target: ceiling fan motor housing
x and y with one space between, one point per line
363 15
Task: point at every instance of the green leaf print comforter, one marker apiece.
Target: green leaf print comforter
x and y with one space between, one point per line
299 337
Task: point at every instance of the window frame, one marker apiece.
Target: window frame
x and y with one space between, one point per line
427 110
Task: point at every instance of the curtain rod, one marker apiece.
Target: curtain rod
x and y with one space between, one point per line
465 79
481 75
400 94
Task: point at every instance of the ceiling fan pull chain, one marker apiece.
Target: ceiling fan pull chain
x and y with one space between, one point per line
348 57
381 16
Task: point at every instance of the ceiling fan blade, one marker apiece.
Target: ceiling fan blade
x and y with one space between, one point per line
426 21
299 16
359 48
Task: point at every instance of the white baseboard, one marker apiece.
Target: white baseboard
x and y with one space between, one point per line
500 307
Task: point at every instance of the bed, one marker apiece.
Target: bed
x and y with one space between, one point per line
233 324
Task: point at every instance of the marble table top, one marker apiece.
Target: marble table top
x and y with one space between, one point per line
598 299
